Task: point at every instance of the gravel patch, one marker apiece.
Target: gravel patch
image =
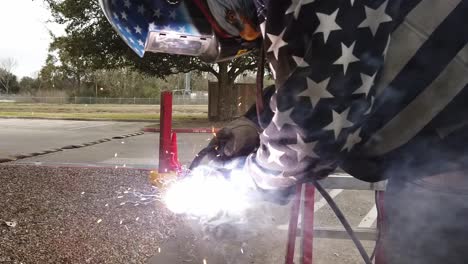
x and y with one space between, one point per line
81 215
96 215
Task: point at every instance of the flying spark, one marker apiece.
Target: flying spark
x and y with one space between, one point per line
99 221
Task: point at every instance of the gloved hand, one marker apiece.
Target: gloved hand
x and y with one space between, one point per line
238 138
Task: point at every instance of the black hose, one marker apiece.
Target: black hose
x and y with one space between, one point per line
343 221
202 154
259 102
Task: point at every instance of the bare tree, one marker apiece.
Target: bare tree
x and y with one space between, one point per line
6 72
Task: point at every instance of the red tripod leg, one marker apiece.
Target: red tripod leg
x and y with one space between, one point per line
165 132
308 224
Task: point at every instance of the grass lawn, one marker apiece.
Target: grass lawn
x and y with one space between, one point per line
96 112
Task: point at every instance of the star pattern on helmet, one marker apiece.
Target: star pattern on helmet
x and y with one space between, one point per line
124 15
127 3
136 19
172 14
141 9
138 29
157 12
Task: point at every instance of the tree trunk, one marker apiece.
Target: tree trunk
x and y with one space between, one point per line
78 83
225 94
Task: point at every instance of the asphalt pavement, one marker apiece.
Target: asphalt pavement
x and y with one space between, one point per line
262 239
19 136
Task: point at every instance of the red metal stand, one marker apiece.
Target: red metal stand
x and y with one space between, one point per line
308 224
175 163
292 230
165 125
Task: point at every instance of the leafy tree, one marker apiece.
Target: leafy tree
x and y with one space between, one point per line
7 78
29 85
90 44
12 86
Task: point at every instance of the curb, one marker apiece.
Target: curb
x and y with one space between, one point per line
183 130
2 160
74 146
83 119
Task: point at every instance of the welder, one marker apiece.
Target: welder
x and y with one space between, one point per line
377 88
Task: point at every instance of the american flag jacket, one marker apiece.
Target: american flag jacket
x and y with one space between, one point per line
365 85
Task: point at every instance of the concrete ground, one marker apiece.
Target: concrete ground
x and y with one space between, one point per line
28 135
261 238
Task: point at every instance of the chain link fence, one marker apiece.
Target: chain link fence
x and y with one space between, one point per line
177 100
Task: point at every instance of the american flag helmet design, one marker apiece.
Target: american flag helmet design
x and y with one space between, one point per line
184 27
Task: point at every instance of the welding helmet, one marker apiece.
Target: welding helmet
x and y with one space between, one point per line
213 30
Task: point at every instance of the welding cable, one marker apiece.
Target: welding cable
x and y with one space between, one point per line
343 221
210 149
259 102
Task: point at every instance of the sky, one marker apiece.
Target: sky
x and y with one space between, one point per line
24 34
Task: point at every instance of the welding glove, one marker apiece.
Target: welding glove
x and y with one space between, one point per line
238 138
